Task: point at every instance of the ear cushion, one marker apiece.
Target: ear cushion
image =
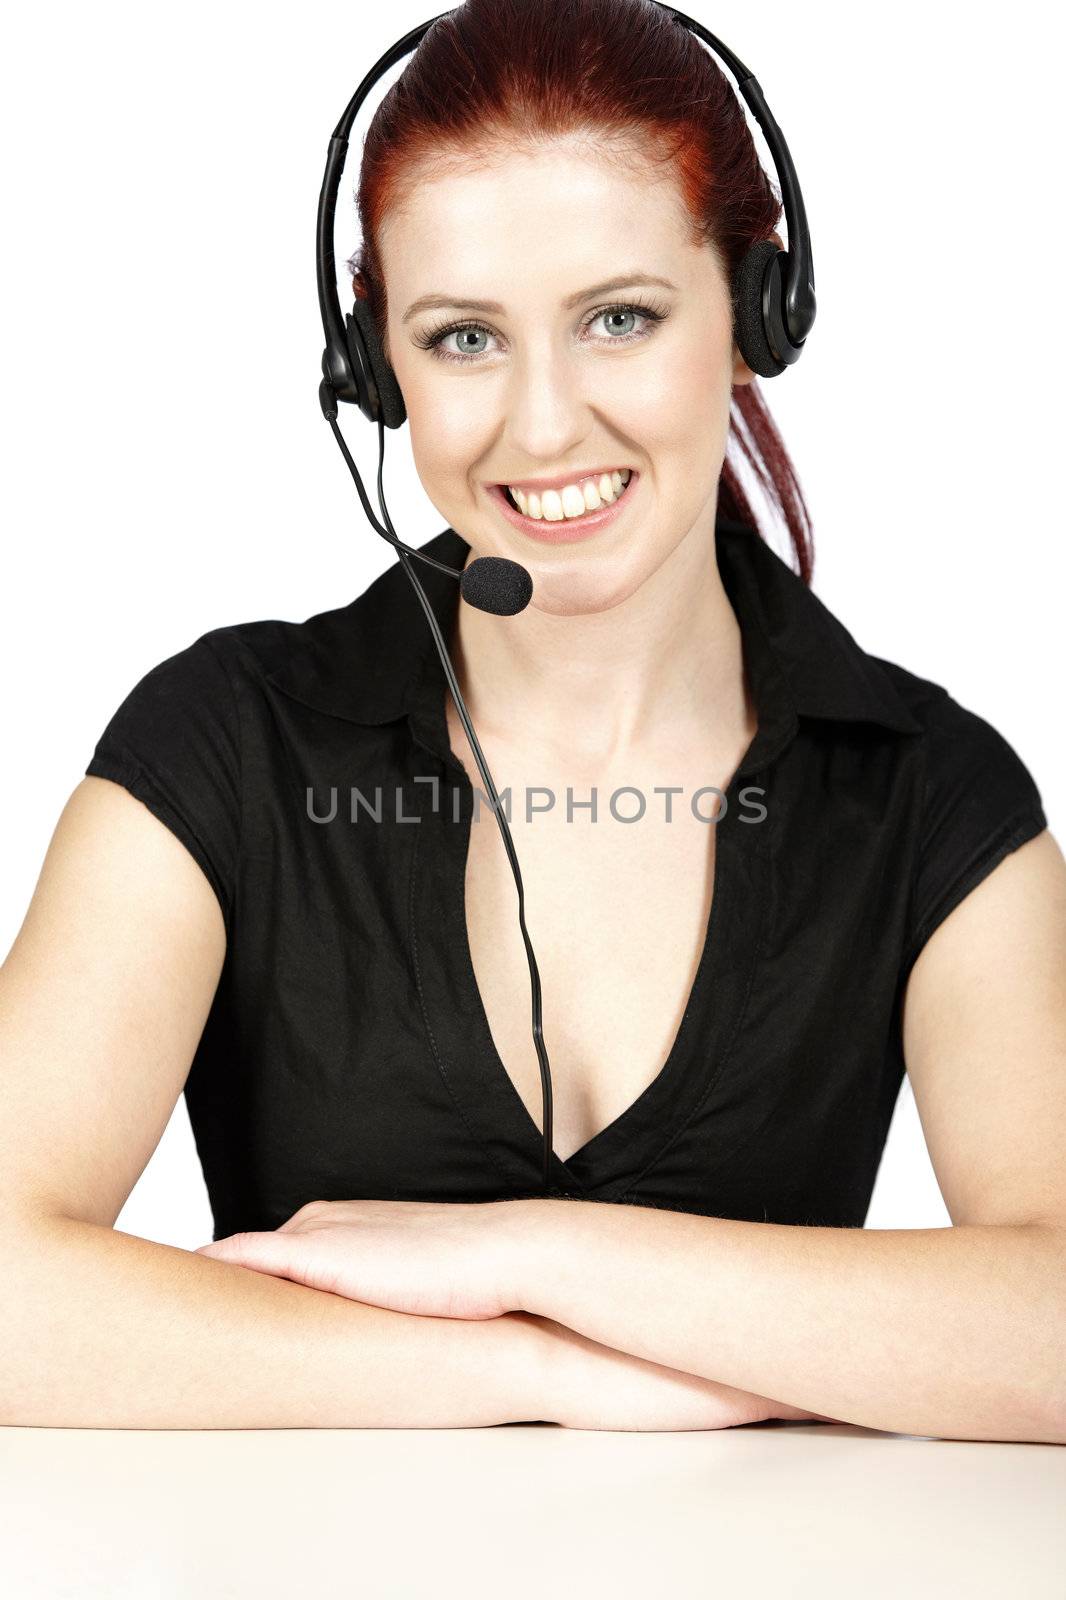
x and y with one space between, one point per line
390 398
748 328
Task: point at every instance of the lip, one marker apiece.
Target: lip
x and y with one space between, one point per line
569 530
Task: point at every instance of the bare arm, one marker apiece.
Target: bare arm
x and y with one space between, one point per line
106 1330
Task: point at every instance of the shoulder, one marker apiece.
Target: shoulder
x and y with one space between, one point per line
220 655
960 746
976 801
216 675
179 741
240 651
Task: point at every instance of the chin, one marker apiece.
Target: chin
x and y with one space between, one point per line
581 592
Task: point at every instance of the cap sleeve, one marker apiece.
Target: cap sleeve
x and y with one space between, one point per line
980 803
174 743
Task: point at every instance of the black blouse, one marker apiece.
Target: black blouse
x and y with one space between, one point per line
347 1054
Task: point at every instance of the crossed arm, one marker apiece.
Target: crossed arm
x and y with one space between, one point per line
950 1332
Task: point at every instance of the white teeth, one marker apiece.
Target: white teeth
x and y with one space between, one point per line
574 499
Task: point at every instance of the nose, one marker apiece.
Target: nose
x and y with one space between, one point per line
547 408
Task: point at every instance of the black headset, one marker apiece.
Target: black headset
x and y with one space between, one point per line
773 312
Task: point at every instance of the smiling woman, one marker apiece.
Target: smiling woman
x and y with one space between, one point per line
558 203
640 139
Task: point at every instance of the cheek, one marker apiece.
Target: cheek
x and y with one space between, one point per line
699 411
449 424
444 438
704 375
675 403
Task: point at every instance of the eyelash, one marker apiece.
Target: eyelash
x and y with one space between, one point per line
653 312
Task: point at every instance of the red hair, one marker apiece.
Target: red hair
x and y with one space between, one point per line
498 72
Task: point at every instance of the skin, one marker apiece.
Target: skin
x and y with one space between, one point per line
629 632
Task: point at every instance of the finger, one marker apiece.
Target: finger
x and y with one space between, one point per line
255 1250
291 1255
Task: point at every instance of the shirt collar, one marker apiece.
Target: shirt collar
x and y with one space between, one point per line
374 660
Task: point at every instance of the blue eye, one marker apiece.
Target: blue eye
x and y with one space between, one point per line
619 311
650 314
466 330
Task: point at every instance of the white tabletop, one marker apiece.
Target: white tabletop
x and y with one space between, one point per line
778 1509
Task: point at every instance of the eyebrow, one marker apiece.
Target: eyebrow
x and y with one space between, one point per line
444 302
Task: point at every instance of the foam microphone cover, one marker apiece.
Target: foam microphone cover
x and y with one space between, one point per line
492 583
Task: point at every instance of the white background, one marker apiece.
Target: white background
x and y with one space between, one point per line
169 471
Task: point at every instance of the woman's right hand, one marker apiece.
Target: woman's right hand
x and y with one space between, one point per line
591 1385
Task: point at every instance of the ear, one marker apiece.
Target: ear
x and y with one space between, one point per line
742 373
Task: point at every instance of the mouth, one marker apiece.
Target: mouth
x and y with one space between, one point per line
564 530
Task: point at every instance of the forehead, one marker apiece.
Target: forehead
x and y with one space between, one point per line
511 212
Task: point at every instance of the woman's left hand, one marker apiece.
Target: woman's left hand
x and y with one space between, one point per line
426 1258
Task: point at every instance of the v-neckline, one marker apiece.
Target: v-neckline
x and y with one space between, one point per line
457 1021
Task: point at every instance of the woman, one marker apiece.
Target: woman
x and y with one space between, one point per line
731 992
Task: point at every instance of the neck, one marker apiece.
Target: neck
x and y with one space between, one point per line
661 667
